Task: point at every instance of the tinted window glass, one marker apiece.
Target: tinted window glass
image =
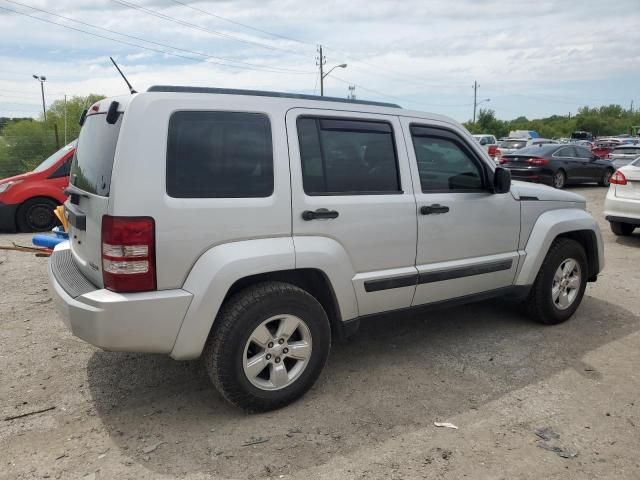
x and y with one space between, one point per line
536 150
583 152
626 151
513 144
48 163
347 156
93 160
444 165
566 152
219 154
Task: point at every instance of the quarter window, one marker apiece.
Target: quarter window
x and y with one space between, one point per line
444 164
347 156
219 155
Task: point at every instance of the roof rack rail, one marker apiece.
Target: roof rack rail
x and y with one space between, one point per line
259 93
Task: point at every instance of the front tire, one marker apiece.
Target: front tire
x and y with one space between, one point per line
622 229
560 284
267 346
36 215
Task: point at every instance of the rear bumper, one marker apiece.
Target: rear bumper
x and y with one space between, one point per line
8 217
131 322
625 210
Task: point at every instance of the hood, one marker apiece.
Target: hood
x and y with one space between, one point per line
22 176
544 192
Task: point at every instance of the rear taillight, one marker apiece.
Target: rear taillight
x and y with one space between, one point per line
504 160
537 161
128 254
492 150
618 178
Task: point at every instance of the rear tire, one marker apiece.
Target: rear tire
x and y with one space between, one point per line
560 284
559 179
267 346
622 229
36 215
605 181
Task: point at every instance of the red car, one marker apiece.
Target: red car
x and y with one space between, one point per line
27 200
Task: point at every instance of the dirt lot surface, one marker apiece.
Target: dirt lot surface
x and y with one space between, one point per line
530 401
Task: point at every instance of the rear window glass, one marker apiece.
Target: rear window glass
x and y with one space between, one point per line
513 143
540 149
93 160
219 155
626 151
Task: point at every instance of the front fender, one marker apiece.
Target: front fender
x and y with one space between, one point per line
547 227
212 276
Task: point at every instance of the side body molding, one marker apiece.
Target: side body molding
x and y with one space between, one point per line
212 276
547 227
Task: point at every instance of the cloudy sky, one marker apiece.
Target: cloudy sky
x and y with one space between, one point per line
532 58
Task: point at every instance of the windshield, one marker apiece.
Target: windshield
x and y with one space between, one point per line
93 161
513 144
55 157
636 162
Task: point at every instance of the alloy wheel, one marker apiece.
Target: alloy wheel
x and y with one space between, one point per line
566 284
277 352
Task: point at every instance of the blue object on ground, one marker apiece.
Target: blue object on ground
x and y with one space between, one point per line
46 241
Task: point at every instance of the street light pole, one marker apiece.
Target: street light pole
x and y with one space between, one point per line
342 65
321 62
42 79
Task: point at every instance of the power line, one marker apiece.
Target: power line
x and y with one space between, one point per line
284 37
377 68
401 99
194 26
249 66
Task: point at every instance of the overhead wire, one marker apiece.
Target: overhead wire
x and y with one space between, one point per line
206 55
194 26
146 47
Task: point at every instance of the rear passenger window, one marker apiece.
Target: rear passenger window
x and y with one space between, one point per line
219 155
347 157
443 163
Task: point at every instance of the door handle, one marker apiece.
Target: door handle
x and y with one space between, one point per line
321 213
436 208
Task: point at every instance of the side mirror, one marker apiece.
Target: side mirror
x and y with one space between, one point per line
501 180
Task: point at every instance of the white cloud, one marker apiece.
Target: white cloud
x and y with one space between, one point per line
422 54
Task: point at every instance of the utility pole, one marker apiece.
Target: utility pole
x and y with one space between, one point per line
352 92
475 99
65 119
631 109
320 61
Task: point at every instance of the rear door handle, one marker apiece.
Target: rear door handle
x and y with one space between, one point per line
436 208
321 213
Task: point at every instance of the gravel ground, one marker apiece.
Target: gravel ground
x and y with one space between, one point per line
530 401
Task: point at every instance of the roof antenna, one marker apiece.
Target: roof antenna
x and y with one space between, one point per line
131 89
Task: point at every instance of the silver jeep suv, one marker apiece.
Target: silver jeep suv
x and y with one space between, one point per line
250 228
